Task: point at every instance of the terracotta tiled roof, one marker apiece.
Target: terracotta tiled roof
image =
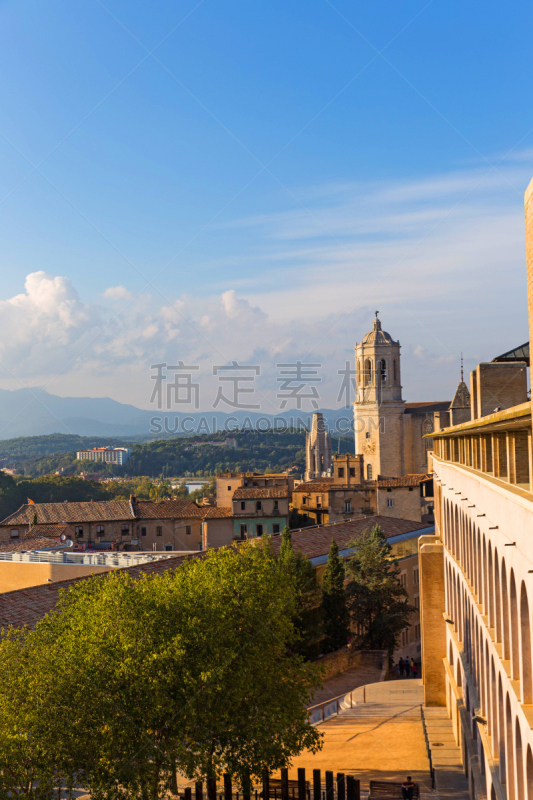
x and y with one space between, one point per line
49 531
259 492
213 512
317 541
27 606
323 485
31 543
92 511
167 509
102 511
405 480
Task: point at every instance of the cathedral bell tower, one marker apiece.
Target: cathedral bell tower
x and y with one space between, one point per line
379 407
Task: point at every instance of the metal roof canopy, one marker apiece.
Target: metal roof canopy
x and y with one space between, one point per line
520 353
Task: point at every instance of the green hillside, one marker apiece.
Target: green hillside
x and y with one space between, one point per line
256 451
25 447
266 451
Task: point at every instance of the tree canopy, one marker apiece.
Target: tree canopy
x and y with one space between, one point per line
131 678
376 599
334 609
307 617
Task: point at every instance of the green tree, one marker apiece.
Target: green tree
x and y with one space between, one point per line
334 609
307 617
286 553
377 600
158 491
192 669
181 493
33 761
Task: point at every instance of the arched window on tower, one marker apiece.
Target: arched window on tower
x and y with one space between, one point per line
369 472
368 371
394 372
383 371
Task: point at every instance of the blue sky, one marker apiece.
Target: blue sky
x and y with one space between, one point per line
211 181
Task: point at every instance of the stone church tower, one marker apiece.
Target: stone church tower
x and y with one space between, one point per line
379 408
318 461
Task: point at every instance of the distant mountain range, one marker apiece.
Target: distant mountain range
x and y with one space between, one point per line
27 412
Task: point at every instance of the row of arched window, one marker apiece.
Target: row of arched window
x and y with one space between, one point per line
494 593
365 370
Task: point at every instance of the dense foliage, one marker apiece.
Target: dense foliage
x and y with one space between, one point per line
307 619
376 599
192 670
334 609
58 488
257 451
52 489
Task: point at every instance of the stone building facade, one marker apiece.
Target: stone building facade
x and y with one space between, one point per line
259 511
115 524
348 494
476 578
318 450
389 433
227 484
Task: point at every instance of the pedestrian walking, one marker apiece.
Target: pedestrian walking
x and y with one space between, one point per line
412 666
407 668
397 669
401 665
415 669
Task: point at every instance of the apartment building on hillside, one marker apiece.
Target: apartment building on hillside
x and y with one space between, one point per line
111 455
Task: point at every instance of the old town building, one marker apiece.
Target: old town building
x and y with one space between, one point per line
348 493
228 482
259 510
389 433
115 524
476 575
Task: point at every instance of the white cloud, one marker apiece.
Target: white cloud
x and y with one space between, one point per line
118 293
436 256
239 310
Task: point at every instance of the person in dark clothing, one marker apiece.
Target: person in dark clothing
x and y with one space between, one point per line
407 789
401 667
415 669
407 668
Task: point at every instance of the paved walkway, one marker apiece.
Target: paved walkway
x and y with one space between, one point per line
382 738
445 755
346 682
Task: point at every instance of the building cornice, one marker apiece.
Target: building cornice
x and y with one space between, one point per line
518 416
